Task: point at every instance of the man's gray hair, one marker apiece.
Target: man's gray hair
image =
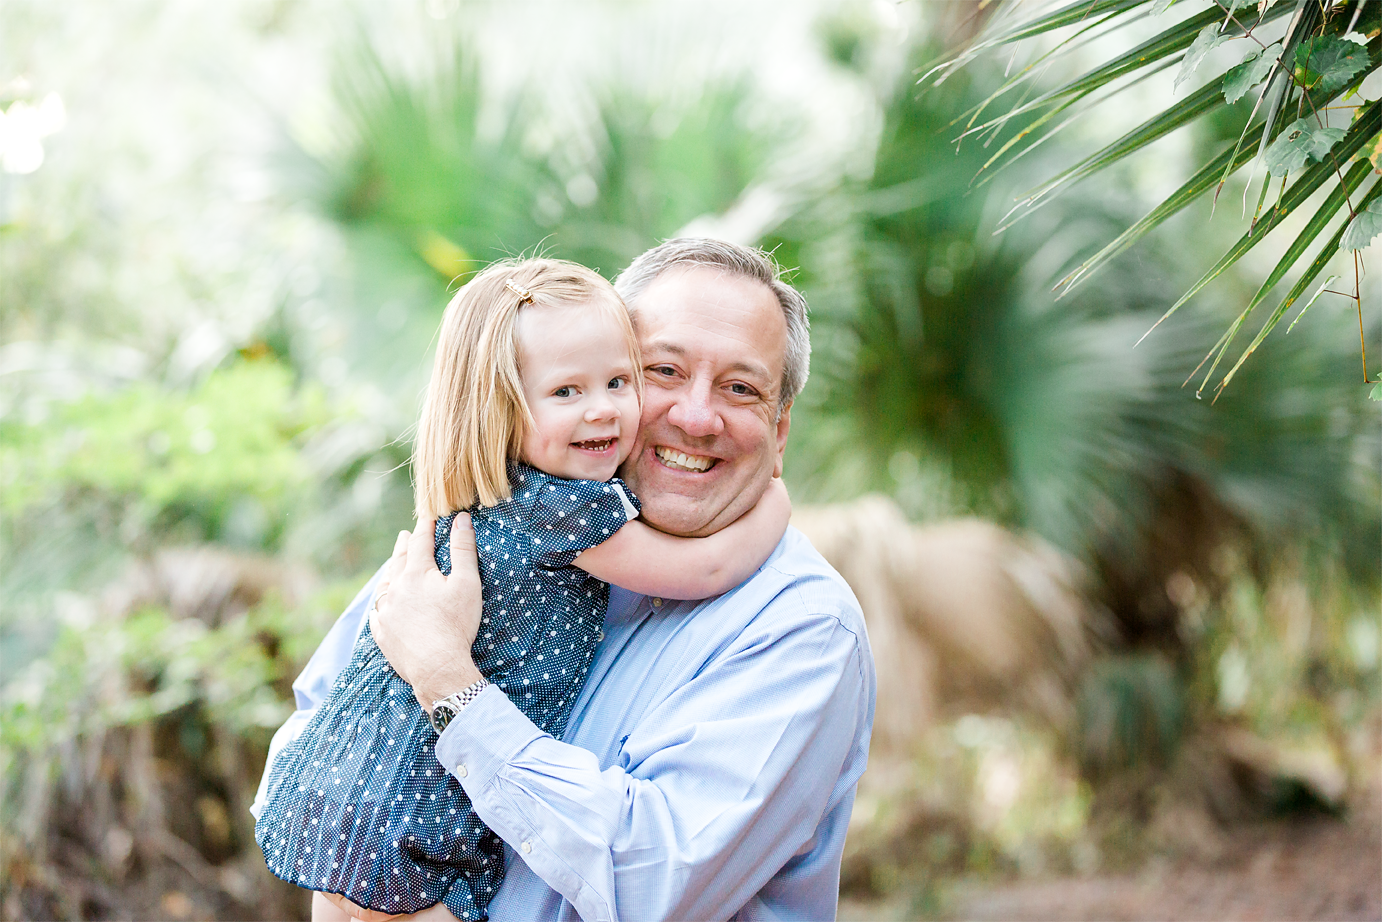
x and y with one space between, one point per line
747 262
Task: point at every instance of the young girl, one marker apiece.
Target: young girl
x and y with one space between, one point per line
533 404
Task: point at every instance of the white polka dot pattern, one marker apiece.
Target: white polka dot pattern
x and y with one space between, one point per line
358 803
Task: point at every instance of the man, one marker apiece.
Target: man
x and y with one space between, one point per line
709 766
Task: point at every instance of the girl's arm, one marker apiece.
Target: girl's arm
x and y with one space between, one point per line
642 559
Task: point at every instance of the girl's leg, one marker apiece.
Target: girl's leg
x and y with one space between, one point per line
323 910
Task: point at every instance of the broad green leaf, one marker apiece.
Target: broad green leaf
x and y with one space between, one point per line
1300 142
1326 62
1365 225
1376 392
1209 37
1250 73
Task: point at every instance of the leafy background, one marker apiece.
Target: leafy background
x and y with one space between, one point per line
219 285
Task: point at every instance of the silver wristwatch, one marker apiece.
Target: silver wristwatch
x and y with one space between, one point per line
445 709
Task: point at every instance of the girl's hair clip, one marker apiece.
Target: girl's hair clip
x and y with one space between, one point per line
523 293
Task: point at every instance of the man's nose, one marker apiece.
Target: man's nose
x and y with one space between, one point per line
693 412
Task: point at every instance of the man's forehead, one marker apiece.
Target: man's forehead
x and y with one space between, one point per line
688 309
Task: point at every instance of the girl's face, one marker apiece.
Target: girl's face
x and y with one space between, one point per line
578 380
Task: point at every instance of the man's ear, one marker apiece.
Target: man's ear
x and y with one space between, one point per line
784 425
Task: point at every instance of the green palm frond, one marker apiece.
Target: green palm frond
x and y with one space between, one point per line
1298 79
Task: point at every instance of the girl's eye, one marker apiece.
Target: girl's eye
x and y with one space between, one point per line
562 392
616 383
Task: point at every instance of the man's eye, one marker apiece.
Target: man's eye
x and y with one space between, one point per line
741 390
562 392
662 370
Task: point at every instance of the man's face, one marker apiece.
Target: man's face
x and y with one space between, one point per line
710 438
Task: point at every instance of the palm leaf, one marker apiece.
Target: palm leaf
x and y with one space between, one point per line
1310 180
1327 252
1192 107
1173 40
1079 11
1205 177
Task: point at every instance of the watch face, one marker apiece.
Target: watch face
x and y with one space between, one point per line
441 716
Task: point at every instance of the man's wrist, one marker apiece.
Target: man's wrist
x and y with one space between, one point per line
442 683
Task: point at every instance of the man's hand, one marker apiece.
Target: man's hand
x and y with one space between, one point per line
425 622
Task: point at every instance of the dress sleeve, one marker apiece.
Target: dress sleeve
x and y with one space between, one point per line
570 516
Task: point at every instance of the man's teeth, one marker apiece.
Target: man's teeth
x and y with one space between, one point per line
681 461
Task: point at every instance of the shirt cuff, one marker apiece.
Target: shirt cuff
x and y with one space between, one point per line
485 736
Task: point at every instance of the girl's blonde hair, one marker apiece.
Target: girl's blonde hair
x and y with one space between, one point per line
474 417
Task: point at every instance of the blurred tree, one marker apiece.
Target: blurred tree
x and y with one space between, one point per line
435 179
949 377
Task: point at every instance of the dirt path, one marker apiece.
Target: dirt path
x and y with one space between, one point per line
1310 868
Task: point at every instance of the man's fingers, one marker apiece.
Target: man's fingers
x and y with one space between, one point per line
357 912
420 547
463 558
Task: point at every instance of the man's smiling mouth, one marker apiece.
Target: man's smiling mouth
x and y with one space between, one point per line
680 461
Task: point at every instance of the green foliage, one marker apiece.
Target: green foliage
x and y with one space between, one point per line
1313 66
1300 142
1208 39
428 195
171 456
1131 712
1366 225
1254 69
1327 62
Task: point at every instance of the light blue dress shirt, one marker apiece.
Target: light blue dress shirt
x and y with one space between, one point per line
709 765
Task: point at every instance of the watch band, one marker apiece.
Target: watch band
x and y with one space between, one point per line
444 710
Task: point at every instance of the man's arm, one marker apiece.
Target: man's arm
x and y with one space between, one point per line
720 787
716 790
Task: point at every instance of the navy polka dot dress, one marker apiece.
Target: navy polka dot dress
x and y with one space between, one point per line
358 804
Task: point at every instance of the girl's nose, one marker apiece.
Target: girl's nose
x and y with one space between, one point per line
601 407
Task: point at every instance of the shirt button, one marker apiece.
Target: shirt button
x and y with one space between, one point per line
462 771
657 603
527 848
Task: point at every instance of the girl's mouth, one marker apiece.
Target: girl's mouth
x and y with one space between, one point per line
595 445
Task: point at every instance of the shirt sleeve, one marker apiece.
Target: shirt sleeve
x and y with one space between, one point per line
571 516
311 686
710 769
